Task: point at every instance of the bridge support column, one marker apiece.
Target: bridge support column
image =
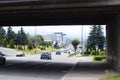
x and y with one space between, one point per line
113 43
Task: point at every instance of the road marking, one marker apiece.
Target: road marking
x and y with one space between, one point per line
69 71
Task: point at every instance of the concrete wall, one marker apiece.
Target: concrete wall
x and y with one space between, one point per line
113 42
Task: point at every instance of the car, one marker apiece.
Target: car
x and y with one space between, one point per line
65 51
46 55
58 52
2 60
2 54
20 54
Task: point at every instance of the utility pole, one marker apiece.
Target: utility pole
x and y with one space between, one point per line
82 39
82 35
35 40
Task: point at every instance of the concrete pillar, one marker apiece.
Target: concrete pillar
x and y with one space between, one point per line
113 43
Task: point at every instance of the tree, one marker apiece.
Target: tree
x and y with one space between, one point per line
95 37
10 35
30 46
21 38
56 45
11 44
2 36
75 43
17 40
38 40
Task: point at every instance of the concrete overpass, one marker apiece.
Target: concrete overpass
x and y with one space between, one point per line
67 12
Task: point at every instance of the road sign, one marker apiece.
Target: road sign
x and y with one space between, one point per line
104 45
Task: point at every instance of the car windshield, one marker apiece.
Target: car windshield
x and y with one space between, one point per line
58 51
45 53
20 53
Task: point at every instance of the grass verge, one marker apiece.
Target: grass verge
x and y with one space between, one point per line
111 78
72 55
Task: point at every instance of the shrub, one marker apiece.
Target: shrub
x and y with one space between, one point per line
99 58
93 52
74 54
102 53
87 53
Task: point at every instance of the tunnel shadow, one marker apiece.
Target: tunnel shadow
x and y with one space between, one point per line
47 68
35 68
90 67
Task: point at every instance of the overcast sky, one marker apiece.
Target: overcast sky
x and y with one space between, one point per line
73 31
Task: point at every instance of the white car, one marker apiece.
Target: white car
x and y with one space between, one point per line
2 54
20 54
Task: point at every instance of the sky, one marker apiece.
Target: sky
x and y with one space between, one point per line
71 31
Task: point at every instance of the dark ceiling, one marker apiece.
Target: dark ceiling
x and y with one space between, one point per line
56 12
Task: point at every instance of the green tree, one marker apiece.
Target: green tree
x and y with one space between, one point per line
10 35
24 39
38 40
30 46
56 45
17 39
11 44
95 37
75 43
2 36
21 38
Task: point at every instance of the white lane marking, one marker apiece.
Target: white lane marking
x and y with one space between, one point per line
69 71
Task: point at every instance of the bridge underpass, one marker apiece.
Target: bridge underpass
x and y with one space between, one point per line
104 12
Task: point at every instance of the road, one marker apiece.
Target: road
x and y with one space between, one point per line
61 67
31 67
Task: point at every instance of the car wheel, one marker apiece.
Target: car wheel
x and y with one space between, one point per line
4 61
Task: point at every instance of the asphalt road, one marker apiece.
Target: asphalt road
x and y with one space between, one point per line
31 67
61 67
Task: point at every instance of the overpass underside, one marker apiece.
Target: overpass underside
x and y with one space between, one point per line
67 12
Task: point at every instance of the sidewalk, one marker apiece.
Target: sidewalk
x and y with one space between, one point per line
86 71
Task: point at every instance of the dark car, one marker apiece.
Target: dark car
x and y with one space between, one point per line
58 52
20 54
46 55
2 60
2 54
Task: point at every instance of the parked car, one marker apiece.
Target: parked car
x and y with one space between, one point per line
58 52
46 55
65 51
2 54
20 54
2 60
